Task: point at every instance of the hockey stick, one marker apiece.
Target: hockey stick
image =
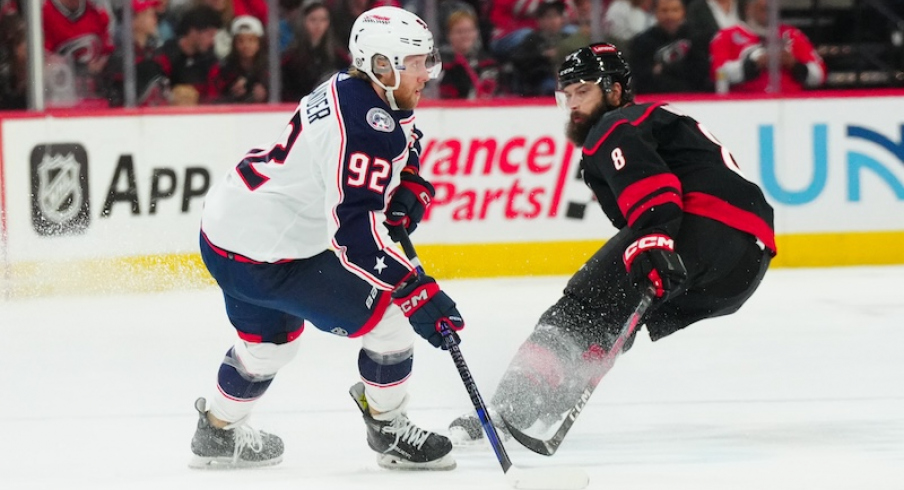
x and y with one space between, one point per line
527 479
549 446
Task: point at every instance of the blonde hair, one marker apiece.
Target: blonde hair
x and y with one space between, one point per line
459 15
356 73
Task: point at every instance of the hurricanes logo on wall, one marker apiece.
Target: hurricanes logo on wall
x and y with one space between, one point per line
59 189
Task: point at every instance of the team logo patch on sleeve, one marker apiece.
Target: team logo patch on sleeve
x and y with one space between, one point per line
380 120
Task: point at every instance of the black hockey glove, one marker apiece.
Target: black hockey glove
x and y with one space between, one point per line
408 204
427 308
651 260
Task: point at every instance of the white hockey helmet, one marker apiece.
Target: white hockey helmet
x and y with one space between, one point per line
391 33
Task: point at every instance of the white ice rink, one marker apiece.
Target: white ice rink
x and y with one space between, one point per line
802 389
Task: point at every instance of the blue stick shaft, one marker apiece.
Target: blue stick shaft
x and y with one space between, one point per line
465 373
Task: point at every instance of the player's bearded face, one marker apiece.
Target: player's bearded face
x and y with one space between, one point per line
579 123
586 104
409 93
413 80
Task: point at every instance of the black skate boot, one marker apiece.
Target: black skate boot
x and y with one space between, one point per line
400 444
236 446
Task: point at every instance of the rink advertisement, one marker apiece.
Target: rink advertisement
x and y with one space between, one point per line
126 189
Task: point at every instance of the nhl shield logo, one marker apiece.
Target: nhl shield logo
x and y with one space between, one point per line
380 120
59 190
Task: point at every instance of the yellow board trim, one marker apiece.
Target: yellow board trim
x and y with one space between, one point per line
186 271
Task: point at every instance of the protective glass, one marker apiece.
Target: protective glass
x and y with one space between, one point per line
575 95
418 63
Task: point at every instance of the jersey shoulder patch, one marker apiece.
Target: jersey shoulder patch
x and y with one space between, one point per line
380 120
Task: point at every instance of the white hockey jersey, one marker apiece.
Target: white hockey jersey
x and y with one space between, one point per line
325 184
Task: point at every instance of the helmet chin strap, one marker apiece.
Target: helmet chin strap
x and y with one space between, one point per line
390 97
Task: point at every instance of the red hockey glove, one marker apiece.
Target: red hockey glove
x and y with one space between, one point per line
408 204
652 260
427 308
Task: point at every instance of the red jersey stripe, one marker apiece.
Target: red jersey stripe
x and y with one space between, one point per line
638 191
664 198
717 209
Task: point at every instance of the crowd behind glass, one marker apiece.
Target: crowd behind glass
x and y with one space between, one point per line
191 52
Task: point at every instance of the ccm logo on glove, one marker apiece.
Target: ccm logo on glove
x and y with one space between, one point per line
651 262
428 309
646 243
418 298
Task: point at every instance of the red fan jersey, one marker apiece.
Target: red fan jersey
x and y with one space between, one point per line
735 48
508 16
82 34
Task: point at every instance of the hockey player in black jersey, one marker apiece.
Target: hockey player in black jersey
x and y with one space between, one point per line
692 230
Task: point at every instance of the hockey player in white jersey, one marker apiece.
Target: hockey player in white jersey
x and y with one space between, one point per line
299 233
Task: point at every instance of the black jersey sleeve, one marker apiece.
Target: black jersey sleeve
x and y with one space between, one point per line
631 180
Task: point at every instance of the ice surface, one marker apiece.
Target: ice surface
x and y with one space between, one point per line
802 389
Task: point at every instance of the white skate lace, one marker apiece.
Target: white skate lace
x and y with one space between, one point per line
245 436
404 430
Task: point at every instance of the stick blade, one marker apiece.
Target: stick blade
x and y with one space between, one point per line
540 446
547 478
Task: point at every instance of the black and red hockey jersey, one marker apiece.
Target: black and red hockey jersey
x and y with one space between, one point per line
648 165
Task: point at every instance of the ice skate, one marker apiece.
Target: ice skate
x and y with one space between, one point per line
236 446
400 444
466 431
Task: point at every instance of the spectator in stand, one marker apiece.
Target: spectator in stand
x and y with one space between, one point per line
344 12
166 21
13 62
580 22
10 7
289 19
740 55
222 41
78 32
666 57
243 77
314 56
534 60
254 8
513 21
188 59
445 8
706 17
625 19
151 86
469 72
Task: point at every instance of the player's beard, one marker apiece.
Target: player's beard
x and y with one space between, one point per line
577 131
406 100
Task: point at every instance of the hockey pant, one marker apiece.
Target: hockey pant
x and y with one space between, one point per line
268 304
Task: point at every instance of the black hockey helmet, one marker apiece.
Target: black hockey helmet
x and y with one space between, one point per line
600 63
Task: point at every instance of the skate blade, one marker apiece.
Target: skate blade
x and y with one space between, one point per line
446 463
203 463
